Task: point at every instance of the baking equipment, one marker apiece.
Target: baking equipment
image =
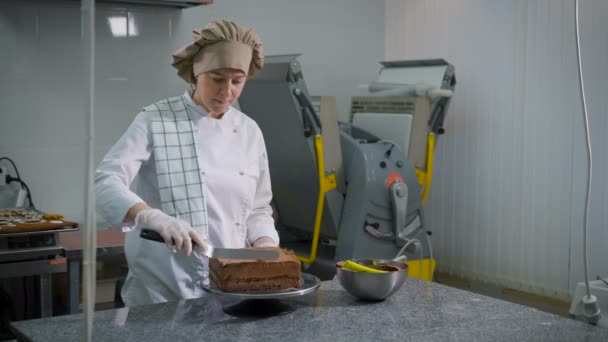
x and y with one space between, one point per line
28 258
30 251
340 191
221 253
265 304
372 286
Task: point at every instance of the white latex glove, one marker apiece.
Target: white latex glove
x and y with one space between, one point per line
178 234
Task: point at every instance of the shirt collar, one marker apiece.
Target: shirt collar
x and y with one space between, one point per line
199 112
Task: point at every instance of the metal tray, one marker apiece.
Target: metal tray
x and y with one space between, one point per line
310 283
40 232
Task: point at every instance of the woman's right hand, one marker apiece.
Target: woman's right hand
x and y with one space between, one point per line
178 234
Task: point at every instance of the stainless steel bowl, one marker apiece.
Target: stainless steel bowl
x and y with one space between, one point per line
372 286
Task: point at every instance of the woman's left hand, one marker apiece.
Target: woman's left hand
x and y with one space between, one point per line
264 241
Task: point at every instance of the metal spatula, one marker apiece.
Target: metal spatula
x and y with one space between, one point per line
220 253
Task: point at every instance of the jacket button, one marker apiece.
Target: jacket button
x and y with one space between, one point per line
241 173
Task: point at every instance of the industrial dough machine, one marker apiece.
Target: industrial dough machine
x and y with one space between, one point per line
340 191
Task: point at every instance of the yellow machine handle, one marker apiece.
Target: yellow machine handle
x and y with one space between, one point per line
425 178
326 184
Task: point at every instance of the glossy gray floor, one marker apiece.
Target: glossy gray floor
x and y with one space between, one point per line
420 311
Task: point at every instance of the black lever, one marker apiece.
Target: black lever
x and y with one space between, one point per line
150 234
153 235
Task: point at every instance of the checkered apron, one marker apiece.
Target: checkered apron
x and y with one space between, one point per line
178 166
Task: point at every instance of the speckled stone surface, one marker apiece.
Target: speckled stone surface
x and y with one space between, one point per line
420 311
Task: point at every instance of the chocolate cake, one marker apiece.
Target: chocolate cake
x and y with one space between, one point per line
256 275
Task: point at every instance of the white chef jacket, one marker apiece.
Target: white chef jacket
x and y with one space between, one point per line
237 193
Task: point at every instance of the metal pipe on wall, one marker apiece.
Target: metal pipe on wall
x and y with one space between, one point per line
590 303
89 236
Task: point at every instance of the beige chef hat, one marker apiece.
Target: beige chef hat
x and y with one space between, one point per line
222 44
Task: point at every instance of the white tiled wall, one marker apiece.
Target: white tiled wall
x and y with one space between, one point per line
43 86
43 90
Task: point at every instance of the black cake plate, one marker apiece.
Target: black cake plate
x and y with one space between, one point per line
267 303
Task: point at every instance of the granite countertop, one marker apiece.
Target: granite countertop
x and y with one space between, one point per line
420 311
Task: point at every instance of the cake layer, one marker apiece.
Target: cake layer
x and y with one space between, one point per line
255 285
255 269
